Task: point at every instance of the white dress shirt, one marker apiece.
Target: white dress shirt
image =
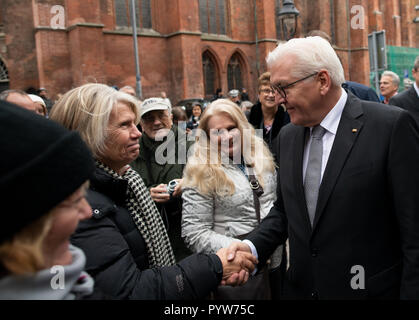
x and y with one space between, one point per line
330 123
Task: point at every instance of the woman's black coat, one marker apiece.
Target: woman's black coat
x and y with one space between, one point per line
117 254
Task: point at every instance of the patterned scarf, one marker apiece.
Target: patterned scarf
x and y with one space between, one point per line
146 217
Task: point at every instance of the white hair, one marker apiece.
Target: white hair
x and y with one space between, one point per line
312 54
394 77
87 109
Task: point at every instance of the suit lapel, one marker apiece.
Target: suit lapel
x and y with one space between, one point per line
348 130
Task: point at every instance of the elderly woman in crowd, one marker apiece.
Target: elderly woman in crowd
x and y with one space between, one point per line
229 185
42 186
125 242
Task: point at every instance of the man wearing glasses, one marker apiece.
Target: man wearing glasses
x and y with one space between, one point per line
348 182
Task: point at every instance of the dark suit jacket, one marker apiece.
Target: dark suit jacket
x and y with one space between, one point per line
367 212
407 100
361 91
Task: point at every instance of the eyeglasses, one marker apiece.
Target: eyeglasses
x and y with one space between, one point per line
267 91
281 89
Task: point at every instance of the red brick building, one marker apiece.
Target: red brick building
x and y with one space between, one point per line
187 48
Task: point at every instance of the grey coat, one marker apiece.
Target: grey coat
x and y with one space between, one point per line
211 223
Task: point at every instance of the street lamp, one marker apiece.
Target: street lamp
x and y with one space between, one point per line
138 88
288 18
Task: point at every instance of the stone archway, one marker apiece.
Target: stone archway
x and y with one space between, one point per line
211 74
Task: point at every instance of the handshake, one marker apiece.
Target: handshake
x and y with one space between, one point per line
238 263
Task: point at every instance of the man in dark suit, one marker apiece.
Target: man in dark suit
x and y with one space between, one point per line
409 99
348 185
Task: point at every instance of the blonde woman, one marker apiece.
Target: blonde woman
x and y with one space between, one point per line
218 201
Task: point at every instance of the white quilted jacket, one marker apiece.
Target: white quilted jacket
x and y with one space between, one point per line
211 223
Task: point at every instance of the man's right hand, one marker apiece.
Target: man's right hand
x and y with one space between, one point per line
236 246
237 250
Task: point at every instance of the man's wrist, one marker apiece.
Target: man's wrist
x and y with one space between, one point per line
254 252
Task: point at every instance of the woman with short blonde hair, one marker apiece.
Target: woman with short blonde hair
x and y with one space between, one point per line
87 110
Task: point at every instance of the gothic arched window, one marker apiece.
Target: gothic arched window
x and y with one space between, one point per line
211 78
234 73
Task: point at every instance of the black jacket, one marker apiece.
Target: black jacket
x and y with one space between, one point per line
117 254
361 91
256 120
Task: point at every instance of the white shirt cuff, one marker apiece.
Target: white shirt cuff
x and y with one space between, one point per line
254 252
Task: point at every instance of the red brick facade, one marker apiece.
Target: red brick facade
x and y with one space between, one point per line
91 48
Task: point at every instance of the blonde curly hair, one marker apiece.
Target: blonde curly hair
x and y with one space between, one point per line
208 176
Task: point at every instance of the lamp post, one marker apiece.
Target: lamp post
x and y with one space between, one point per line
138 89
288 18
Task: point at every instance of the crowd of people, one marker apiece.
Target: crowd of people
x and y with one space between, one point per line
280 198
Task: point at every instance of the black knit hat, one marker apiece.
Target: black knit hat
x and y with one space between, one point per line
41 164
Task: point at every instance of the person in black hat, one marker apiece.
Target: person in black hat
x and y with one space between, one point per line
43 174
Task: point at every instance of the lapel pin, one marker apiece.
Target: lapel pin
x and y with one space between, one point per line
354 130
